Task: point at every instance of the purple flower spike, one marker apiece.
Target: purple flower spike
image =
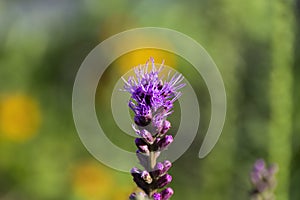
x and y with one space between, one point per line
263 180
167 193
152 101
165 142
164 180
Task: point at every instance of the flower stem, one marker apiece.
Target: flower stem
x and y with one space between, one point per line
152 163
152 160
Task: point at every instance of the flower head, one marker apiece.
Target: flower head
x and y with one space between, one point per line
152 98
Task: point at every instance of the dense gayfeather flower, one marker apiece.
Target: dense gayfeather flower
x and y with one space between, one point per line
152 102
263 180
150 96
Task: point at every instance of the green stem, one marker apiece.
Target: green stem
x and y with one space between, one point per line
152 163
152 160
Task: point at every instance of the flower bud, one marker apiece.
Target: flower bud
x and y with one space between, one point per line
158 170
135 172
137 196
167 193
259 165
146 176
166 126
164 180
141 178
142 120
132 196
141 184
167 165
156 196
146 135
142 145
165 142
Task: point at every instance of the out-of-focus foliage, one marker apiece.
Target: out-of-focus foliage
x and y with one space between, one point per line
43 42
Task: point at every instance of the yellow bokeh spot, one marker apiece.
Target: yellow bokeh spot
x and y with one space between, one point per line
122 193
19 117
91 181
141 56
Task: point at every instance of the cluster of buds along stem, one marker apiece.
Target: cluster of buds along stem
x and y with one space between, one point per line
152 102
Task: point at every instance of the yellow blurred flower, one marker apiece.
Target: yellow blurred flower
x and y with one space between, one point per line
19 117
141 56
122 193
91 181
120 22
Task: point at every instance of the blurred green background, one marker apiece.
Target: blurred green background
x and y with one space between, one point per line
256 45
